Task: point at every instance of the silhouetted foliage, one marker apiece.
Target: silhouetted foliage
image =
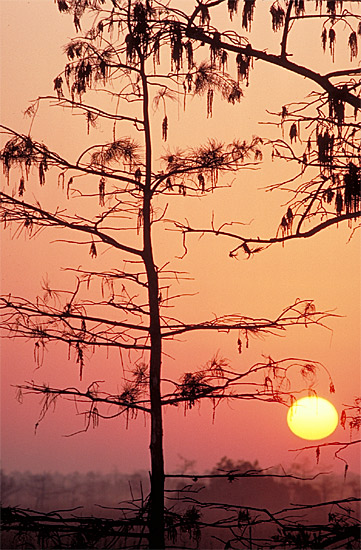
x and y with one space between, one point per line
235 503
126 41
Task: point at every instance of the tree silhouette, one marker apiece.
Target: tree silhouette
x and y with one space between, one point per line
124 190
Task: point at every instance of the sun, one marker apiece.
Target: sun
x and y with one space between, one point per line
312 418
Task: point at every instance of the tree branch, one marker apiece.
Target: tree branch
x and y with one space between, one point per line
343 94
56 221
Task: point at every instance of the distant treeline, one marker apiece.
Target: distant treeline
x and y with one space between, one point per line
50 491
54 491
231 487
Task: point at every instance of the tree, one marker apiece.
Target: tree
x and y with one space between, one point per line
122 44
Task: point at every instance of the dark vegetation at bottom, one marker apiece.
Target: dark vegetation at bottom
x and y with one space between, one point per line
237 505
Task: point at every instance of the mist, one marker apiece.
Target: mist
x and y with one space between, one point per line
231 487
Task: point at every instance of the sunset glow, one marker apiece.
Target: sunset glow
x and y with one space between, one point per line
312 418
213 283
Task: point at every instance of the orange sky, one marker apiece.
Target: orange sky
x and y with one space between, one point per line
326 269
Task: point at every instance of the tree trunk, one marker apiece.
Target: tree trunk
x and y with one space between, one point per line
156 512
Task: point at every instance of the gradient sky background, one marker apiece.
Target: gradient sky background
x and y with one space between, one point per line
325 268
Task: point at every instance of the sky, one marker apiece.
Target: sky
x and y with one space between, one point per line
325 268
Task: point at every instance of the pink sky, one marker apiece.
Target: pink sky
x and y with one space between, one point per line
326 269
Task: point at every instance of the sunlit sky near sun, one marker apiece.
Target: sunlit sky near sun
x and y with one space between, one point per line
325 268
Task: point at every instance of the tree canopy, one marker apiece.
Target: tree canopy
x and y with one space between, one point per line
128 59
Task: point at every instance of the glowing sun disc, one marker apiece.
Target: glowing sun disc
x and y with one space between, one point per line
312 418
